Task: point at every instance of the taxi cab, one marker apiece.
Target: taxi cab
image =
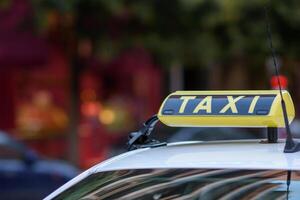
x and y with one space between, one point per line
231 169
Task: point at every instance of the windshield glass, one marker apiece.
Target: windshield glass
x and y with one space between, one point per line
186 184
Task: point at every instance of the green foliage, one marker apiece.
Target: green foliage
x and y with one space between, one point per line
191 32
4 4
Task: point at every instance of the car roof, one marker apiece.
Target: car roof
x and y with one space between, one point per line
8 141
241 154
233 154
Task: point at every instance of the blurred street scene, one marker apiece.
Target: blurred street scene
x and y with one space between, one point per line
77 76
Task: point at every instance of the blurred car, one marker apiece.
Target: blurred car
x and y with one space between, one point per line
215 133
24 175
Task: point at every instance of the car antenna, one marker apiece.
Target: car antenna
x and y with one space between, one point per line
291 145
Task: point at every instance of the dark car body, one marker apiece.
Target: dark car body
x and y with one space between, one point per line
24 175
215 133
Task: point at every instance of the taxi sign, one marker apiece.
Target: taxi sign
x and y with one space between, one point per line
247 108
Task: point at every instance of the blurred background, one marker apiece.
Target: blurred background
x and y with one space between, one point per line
77 76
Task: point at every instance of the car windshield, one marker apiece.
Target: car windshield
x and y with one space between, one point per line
205 184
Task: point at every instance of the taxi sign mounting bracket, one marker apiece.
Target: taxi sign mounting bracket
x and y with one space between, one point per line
141 138
272 134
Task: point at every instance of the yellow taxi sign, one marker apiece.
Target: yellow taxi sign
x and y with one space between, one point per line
245 108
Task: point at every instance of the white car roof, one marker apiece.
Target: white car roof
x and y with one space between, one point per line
239 154
245 154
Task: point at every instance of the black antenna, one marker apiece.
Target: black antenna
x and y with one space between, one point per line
288 183
291 146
